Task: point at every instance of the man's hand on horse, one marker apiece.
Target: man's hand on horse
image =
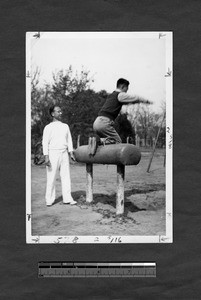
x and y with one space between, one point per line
72 156
47 161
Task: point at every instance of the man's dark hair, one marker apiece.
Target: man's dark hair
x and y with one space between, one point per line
122 81
51 109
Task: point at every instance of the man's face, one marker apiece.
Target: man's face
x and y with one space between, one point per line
124 88
57 113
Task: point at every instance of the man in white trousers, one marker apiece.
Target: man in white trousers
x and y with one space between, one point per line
57 143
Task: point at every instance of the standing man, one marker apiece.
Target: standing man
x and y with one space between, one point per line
104 123
57 142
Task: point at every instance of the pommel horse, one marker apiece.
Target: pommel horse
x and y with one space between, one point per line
112 154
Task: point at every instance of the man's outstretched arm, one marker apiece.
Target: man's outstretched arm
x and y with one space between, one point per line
135 99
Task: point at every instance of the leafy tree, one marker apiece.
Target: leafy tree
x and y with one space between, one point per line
81 113
40 101
79 103
67 84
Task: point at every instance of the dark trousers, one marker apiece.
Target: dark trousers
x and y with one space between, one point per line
104 128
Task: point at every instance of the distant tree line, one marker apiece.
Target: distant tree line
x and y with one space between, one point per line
80 105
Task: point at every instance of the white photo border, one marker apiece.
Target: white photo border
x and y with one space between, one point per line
168 238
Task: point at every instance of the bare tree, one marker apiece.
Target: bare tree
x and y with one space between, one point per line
145 123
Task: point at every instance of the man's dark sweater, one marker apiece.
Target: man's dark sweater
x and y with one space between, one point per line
111 107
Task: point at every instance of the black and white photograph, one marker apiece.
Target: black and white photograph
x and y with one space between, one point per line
99 137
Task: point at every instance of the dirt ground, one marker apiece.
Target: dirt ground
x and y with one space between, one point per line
144 202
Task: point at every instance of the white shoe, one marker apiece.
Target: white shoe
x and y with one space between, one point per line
70 202
73 202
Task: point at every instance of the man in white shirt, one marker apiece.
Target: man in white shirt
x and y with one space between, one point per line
104 123
57 143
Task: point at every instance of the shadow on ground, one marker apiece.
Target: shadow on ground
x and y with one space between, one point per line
106 204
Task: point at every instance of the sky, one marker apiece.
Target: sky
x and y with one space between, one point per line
141 58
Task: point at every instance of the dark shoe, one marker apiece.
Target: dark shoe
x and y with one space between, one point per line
108 141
